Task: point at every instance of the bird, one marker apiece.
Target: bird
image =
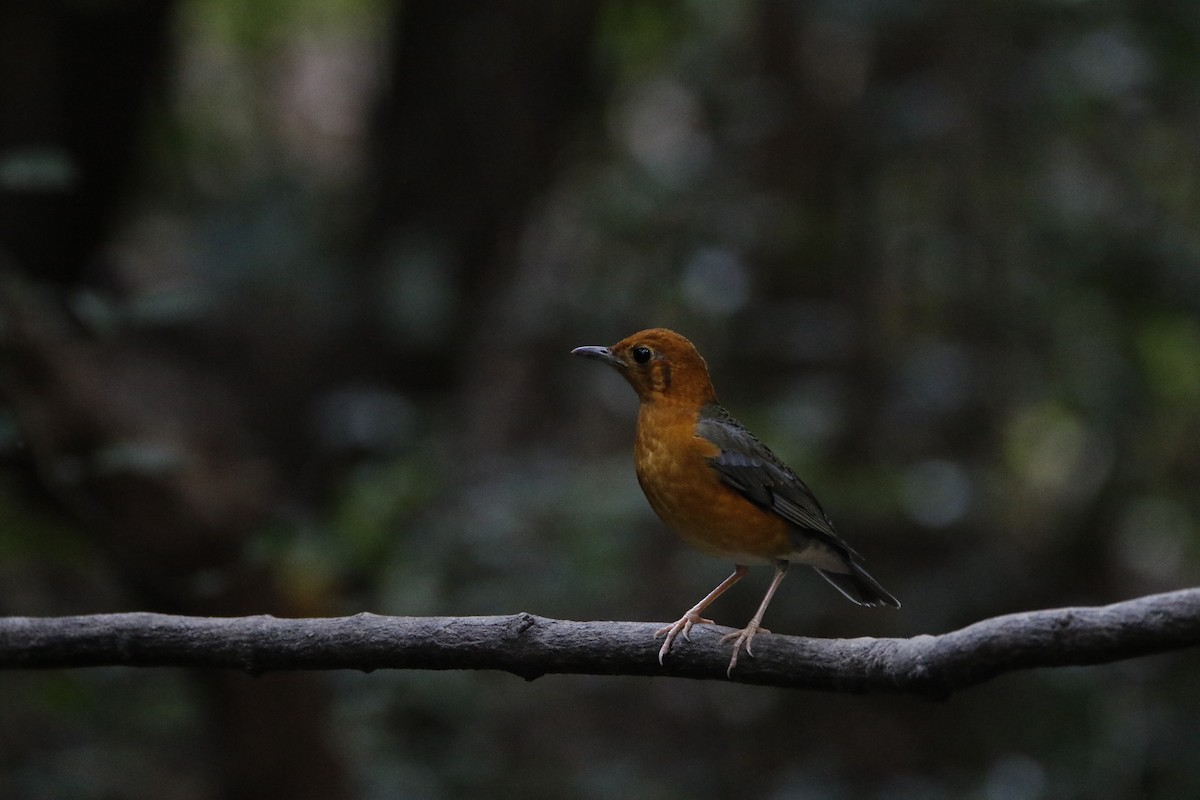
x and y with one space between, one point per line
717 486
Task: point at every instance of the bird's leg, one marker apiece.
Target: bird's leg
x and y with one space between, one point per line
692 617
746 635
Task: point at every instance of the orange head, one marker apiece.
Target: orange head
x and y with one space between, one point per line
660 365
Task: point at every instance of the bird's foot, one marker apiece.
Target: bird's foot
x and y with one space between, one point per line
681 626
742 638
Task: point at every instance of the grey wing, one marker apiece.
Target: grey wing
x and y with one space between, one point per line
749 466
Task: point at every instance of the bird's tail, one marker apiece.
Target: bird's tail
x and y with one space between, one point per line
859 587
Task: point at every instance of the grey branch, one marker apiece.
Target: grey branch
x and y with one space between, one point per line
532 646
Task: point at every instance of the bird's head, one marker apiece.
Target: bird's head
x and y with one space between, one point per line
659 364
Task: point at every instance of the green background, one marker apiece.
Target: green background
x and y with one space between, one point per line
290 292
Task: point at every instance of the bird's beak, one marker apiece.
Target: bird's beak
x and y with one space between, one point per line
599 354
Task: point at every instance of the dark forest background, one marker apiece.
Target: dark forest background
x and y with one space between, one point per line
287 292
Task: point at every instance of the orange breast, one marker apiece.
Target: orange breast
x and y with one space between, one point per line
690 498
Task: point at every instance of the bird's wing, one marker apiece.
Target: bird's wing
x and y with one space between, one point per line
747 465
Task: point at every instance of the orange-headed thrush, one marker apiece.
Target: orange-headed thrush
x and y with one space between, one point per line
717 486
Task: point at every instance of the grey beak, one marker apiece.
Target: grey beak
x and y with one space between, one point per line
598 354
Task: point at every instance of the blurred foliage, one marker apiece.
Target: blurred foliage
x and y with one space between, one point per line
943 257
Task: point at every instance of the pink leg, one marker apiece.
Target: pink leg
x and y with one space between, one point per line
746 635
692 617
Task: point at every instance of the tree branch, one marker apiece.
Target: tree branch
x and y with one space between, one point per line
532 646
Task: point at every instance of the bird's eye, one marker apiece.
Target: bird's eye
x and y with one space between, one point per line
641 354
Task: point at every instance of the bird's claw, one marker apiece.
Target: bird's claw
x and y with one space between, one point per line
742 638
683 626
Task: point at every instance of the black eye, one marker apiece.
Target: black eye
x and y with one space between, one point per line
641 354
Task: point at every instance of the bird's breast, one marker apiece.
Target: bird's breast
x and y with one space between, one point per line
688 495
